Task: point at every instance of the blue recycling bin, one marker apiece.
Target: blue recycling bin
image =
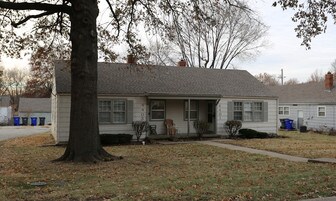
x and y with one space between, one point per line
33 121
16 121
289 124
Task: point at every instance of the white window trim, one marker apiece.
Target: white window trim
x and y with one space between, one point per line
253 110
151 113
197 110
325 111
283 110
112 112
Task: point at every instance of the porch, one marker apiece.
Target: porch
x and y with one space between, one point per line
184 112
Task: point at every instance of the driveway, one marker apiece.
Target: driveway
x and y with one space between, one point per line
7 132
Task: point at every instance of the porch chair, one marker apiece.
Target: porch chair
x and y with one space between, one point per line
170 126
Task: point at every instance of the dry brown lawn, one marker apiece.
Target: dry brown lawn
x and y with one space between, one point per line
157 172
309 145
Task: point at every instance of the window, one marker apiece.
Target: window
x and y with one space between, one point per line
158 109
284 110
193 110
248 111
112 111
321 111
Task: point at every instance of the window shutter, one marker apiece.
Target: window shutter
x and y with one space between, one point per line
129 111
265 111
230 111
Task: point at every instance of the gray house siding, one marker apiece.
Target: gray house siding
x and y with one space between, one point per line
139 84
267 125
310 115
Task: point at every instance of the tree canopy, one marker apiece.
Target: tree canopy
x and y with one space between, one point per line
311 16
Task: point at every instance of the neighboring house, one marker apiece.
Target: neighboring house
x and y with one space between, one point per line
309 104
129 92
35 107
5 110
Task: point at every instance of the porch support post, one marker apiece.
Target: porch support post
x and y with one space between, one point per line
188 117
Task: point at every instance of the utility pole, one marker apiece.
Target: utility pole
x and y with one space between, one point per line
282 76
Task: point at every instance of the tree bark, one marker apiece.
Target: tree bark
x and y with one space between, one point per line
84 141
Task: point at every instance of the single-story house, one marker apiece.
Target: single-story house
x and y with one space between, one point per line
5 110
308 104
129 92
35 107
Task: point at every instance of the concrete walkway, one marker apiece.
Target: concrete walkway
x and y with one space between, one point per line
276 155
256 151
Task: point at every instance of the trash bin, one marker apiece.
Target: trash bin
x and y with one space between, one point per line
24 121
303 129
16 121
288 124
42 121
33 121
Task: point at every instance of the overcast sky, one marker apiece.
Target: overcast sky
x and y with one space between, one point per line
285 52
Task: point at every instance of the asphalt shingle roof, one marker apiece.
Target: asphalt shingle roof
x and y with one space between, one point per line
127 79
4 101
35 105
305 93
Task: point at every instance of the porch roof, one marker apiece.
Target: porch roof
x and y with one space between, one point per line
170 81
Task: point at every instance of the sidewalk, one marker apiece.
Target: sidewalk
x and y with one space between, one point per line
275 155
256 151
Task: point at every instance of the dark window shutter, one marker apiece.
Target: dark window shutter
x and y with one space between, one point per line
265 111
129 111
230 111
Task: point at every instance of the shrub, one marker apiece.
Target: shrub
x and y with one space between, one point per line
201 127
114 139
250 133
232 127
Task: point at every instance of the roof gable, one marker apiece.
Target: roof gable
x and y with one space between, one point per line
131 79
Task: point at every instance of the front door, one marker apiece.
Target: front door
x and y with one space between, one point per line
300 119
212 116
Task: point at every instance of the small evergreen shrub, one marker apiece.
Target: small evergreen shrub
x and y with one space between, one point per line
250 133
232 127
115 139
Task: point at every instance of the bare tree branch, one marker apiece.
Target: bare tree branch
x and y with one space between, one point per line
16 24
115 17
36 6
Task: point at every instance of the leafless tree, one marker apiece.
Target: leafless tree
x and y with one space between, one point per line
267 79
292 81
316 76
216 34
14 81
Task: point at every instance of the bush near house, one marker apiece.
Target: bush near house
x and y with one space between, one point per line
250 133
232 127
201 127
115 139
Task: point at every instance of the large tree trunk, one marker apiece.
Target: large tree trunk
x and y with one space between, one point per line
84 142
